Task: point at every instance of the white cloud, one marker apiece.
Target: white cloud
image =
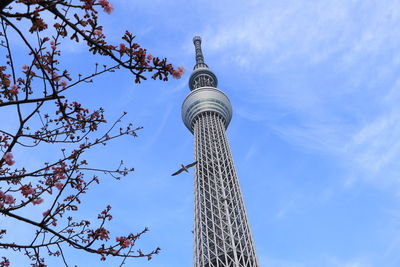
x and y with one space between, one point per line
375 146
359 118
310 31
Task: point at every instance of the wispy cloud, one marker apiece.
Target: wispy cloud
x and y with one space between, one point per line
354 116
310 31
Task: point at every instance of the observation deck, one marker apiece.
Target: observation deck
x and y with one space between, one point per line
204 95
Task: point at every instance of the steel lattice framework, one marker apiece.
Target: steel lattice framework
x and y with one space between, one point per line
222 236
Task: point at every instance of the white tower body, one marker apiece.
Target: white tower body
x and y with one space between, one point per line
222 236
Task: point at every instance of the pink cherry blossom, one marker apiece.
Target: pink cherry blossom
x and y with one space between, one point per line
126 243
63 84
108 8
56 77
25 67
27 190
149 56
37 201
2 196
14 89
8 199
122 48
177 74
59 186
8 157
45 213
97 32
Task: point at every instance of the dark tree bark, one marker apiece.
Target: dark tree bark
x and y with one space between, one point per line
5 3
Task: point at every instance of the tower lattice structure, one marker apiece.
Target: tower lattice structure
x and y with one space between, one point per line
222 236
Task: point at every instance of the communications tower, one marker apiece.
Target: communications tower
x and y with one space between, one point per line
222 236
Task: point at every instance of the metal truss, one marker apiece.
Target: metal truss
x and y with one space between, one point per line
222 236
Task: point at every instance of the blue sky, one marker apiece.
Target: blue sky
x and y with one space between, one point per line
315 133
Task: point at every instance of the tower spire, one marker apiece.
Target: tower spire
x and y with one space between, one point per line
222 236
199 54
201 76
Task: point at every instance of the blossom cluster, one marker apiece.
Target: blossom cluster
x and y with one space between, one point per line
177 73
27 190
14 89
108 8
5 83
124 241
100 233
9 158
4 262
6 199
43 82
4 141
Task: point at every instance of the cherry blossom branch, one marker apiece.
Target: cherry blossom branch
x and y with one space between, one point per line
62 182
35 100
109 69
5 3
79 246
